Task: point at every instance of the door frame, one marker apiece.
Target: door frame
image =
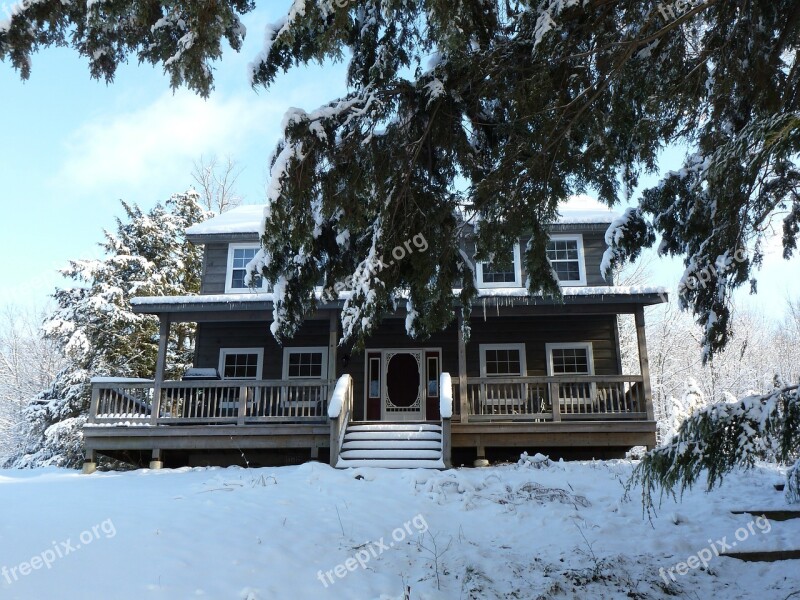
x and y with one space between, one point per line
421 415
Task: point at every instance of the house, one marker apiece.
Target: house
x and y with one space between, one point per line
536 373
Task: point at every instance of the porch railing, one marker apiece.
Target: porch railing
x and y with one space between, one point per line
556 398
197 402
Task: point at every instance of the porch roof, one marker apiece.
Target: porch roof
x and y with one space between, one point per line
263 301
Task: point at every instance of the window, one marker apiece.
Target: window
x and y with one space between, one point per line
502 360
565 253
238 257
305 363
241 363
374 390
433 375
490 276
570 359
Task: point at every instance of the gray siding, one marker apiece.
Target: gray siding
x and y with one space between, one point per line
215 263
533 331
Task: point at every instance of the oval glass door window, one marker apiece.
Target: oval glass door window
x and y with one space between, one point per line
402 380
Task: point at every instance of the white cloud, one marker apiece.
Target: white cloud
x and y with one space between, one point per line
156 141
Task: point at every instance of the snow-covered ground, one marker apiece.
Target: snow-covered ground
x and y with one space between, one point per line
560 531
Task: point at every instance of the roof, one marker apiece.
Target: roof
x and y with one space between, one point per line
245 221
263 301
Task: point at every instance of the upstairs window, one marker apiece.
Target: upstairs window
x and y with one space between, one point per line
239 255
565 254
570 359
491 276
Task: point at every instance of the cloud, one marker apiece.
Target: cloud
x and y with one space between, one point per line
156 141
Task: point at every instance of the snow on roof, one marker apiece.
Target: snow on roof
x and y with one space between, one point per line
585 209
509 292
242 219
247 219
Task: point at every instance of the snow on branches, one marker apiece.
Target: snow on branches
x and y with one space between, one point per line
722 436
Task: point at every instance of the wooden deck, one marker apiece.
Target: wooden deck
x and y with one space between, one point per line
521 412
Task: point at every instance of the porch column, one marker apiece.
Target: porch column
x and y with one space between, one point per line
462 370
644 365
161 366
333 342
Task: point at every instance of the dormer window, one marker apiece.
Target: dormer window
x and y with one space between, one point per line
565 253
239 255
491 276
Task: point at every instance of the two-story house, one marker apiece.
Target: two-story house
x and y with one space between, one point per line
536 374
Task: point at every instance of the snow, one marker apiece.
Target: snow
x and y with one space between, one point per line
248 218
242 219
446 396
119 380
339 396
516 531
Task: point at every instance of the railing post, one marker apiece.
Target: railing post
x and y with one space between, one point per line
447 444
243 393
555 402
93 407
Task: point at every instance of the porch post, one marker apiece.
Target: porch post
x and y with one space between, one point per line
161 366
462 370
333 342
644 365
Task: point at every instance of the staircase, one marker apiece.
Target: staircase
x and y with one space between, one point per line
392 445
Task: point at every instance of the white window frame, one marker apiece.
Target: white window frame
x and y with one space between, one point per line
229 270
300 349
223 352
523 363
581 258
501 284
566 345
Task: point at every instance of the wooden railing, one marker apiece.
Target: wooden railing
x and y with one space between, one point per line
577 397
196 402
340 414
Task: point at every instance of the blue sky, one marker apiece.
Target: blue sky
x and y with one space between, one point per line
71 148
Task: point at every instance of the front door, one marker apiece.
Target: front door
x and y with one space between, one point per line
403 392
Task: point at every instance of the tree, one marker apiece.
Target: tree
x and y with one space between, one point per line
28 363
495 112
94 326
217 183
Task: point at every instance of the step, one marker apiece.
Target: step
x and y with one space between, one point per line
409 426
383 454
764 555
392 435
392 444
772 515
391 464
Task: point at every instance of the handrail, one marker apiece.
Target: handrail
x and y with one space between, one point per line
446 413
340 408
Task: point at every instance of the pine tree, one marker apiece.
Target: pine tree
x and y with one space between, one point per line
723 436
147 254
495 113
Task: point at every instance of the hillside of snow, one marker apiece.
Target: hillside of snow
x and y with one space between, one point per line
532 530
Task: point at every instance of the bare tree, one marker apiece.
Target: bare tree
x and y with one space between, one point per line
28 365
216 182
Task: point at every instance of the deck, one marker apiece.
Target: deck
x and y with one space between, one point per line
519 412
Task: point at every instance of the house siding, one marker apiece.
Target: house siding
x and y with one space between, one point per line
215 261
535 332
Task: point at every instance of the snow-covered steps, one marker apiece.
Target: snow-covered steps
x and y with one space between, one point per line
392 445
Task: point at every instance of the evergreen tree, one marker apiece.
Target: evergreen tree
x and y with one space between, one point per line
723 436
493 112
146 255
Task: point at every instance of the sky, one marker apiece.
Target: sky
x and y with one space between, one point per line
72 147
